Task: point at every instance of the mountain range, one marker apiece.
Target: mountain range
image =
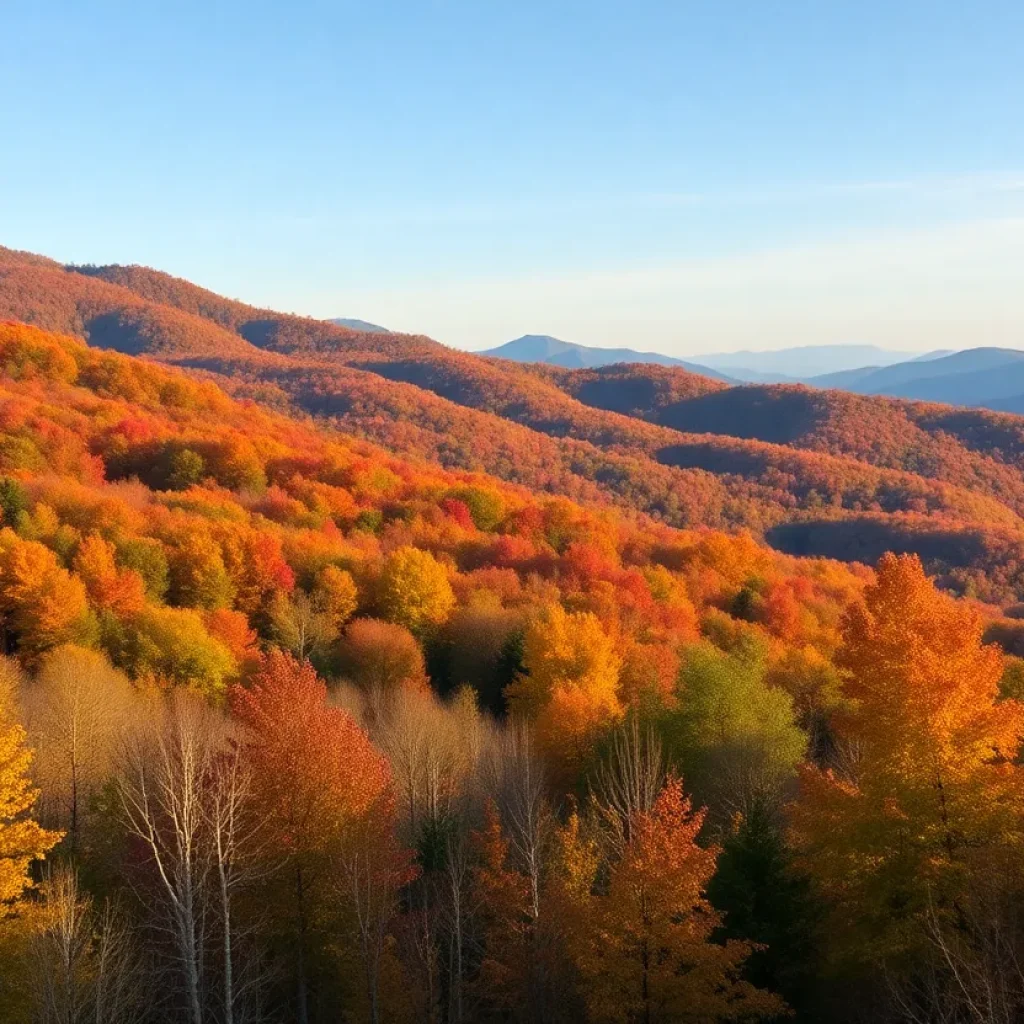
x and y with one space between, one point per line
812 471
988 377
801 363
991 378
542 348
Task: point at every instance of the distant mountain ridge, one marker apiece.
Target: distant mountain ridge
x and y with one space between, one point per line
800 363
992 378
543 348
359 325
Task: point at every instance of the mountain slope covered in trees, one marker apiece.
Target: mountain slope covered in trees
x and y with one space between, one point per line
293 727
798 466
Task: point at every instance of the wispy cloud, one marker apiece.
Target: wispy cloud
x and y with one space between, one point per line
951 286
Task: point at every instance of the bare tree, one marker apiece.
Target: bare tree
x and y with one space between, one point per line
514 775
515 780
62 950
629 779
235 837
86 962
76 709
369 870
975 973
456 881
433 748
165 766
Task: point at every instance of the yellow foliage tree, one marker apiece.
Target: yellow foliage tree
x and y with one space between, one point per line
22 839
335 595
570 686
415 590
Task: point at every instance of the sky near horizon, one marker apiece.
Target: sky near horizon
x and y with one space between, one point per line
678 176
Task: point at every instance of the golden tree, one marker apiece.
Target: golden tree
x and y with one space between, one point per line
570 687
22 839
931 783
414 590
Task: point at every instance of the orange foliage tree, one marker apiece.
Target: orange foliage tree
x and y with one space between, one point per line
45 605
121 591
316 777
933 783
642 943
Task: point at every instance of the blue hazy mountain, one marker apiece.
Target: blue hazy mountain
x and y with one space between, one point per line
542 348
359 325
989 377
800 363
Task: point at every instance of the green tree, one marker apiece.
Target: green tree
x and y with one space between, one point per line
13 501
733 735
185 469
174 645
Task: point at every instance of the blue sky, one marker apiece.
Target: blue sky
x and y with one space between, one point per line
688 177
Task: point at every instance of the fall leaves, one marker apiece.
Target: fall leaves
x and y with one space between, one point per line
928 790
641 943
21 838
428 731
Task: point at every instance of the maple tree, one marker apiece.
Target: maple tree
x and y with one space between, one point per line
934 783
644 945
315 776
121 591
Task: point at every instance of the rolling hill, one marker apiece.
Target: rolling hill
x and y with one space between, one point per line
799 466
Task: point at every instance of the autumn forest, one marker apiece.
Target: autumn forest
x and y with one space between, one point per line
349 677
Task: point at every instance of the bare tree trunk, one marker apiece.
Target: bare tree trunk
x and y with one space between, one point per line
457 872
517 781
119 990
86 962
302 994
629 780
62 951
235 836
163 784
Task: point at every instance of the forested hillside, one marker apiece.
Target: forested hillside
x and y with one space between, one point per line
291 727
809 470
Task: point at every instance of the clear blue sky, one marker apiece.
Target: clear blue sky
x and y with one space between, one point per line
681 176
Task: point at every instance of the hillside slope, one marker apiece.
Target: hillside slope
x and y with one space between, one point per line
680 447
